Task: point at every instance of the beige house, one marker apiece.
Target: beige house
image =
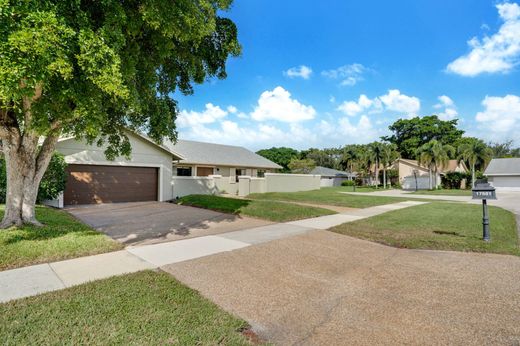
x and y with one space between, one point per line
406 168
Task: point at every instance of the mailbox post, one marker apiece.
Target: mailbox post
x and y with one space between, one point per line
484 191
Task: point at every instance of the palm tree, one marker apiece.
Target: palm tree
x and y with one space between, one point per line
376 150
434 154
349 157
476 152
388 155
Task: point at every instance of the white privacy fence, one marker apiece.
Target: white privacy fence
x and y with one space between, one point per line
272 182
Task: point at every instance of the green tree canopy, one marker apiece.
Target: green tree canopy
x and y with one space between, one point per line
281 156
302 166
410 134
90 69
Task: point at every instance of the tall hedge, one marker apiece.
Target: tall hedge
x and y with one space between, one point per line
53 181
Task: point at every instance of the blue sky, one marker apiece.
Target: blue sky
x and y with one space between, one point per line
340 72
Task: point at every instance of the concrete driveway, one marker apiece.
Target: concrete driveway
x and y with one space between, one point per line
140 223
323 288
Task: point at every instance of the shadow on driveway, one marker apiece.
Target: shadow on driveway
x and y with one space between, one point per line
140 223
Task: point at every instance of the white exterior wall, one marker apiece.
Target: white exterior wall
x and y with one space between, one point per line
226 184
144 154
278 182
183 186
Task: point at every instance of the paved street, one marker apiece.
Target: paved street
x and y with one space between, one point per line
322 288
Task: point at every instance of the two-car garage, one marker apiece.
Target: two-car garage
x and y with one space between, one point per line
92 184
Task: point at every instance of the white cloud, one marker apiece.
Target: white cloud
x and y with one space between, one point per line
500 118
209 115
392 101
301 71
278 105
449 111
232 109
349 75
497 53
395 101
445 101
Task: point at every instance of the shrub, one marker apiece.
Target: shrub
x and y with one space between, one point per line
452 180
348 183
53 181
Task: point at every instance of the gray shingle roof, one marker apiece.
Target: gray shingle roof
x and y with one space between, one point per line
503 167
217 154
329 172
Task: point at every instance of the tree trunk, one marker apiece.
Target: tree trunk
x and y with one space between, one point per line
350 177
377 173
473 176
430 177
25 166
384 177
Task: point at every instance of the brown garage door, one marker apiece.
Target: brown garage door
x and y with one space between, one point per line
91 184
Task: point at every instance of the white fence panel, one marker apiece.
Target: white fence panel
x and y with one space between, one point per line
183 186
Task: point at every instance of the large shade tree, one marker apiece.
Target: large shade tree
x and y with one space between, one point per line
410 134
91 69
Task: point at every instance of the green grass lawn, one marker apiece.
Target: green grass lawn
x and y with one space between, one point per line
61 237
439 226
446 192
328 196
145 308
267 210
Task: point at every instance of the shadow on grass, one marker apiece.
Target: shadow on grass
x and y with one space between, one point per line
450 233
56 224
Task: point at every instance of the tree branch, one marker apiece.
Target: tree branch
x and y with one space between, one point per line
45 154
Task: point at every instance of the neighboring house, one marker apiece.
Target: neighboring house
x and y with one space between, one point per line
331 177
204 159
406 168
147 175
420 180
504 174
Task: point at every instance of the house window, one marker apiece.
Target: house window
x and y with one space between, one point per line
260 174
184 171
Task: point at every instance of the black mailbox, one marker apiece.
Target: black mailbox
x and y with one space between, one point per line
484 191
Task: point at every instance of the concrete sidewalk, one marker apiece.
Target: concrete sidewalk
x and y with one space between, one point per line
37 279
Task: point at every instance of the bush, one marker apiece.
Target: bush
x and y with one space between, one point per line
348 183
452 180
53 181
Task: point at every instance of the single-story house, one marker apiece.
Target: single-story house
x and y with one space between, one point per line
147 174
200 159
332 177
504 174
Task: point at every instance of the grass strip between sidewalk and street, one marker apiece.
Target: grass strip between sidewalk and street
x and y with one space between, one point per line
267 210
439 226
145 308
61 237
444 192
